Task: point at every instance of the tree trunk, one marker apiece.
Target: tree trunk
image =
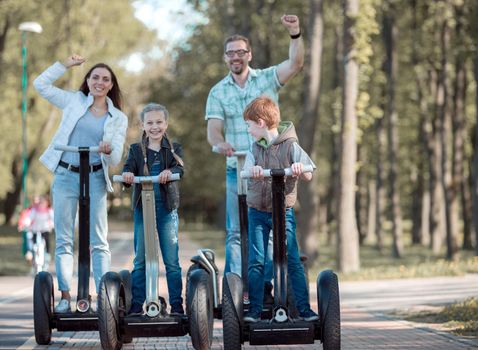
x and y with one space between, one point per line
333 189
390 32
450 196
371 211
308 194
380 188
475 163
436 189
360 196
3 40
458 132
348 247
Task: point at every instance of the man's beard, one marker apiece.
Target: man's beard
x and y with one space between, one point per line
237 69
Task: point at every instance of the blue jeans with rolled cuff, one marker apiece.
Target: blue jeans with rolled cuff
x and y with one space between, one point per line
167 227
260 225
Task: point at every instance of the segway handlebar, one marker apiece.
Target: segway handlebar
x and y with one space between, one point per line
215 149
67 148
141 179
245 174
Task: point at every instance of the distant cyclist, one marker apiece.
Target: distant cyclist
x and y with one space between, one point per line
41 220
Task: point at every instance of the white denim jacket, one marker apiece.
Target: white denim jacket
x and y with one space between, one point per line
74 105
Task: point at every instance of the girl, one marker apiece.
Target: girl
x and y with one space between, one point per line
91 117
154 155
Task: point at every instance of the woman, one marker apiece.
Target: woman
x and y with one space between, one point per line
91 117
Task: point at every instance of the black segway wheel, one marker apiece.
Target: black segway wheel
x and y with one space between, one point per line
191 269
108 311
200 309
329 309
128 296
43 307
232 311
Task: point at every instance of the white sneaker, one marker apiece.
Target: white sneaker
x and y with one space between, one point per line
63 306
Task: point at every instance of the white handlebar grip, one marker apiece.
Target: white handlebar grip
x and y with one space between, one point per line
245 174
67 148
139 179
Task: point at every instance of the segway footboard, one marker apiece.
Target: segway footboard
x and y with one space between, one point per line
283 333
160 326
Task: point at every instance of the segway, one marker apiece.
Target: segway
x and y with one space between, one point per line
114 300
281 328
82 318
205 258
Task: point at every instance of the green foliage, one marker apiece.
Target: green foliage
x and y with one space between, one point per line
100 31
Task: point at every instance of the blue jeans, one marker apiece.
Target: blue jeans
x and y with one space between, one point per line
65 193
167 227
233 230
260 225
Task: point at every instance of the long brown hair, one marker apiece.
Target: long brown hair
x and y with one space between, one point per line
114 94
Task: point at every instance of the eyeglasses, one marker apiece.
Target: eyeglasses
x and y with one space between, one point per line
240 53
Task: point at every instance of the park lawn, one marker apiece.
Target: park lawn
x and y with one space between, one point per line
417 261
12 262
458 318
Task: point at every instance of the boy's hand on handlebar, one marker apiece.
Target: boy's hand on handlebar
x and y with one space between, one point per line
128 178
257 172
296 169
104 147
164 176
225 148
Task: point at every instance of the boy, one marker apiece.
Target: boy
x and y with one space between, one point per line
275 147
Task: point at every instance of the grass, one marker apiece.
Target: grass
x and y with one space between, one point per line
458 318
417 261
12 262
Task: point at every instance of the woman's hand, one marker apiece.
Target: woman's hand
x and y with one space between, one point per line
164 176
128 178
73 60
104 147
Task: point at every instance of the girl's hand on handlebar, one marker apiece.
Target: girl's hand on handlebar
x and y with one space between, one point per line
104 147
128 177
257 172
164 176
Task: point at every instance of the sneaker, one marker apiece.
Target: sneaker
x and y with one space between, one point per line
309 315
252 316
177 309
63 306
136 309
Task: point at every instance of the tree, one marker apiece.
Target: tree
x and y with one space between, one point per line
390 33
308 193
348 259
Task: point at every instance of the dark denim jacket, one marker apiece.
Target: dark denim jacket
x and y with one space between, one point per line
135 164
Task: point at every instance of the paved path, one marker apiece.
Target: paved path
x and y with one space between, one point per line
364 325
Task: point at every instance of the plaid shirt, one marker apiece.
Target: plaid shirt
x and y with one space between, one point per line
227 101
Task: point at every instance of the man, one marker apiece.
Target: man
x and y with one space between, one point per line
226 128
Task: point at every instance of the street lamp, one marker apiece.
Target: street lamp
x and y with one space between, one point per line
25 27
